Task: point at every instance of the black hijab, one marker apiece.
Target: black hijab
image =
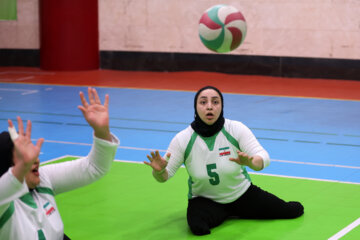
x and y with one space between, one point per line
202 128
6 152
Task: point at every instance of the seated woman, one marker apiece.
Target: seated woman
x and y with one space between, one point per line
215 152
27 192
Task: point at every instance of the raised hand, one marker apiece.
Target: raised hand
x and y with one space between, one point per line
26 153
242 159
157 162
96 114
255 163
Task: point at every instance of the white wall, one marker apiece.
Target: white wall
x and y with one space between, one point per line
23 33
302 28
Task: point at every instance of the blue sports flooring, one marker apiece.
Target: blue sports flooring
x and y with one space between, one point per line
305 137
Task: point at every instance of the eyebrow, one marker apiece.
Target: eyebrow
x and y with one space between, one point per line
211 97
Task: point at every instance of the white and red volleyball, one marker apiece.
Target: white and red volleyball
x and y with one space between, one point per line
222 28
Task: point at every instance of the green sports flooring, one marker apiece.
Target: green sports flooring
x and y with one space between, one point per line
129 204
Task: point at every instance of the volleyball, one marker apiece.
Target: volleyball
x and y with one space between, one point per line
222 28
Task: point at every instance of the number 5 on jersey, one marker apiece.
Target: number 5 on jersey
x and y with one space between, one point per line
214 177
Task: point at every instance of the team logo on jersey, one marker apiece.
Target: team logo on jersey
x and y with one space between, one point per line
49 209
224 151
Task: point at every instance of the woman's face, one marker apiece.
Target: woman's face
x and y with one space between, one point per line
32 178
208 106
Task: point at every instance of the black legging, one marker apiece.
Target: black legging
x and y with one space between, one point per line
204 214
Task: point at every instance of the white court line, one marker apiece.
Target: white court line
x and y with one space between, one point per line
29 92
23 91
90 144
24 72
24 78
17 79
274 160
55 159
346 230
316 164
250 172
305 178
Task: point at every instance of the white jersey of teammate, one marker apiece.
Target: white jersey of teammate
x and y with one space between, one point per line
211 174
33 214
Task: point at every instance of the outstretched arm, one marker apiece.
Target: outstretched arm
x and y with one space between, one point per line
251 153
255 162
74 174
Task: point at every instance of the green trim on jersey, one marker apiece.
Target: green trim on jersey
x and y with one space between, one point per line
246 173
230 138
45 190
28 200
41 235
7 214
190 145
190 182
210 141
233 141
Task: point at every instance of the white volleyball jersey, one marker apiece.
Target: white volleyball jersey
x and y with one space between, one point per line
33 215
211 173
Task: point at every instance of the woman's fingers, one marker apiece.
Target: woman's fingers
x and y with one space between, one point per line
96 96
91 96
83 100
106 102
39 142
157 154
10 123
167 156
28 129
150 158
21 126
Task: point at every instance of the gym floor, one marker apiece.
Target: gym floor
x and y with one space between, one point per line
309 127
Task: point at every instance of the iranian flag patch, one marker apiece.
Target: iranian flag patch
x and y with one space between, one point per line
224 151
49 209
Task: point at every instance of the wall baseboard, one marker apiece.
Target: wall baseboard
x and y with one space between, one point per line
20 57
324 68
